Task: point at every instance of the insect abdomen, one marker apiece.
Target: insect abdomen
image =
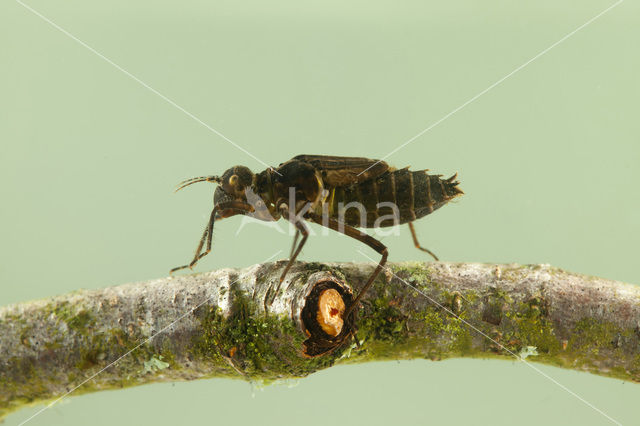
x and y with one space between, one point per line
414 195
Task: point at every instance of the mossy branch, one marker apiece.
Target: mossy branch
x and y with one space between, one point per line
241 323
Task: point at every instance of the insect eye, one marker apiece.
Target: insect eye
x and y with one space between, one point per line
233 180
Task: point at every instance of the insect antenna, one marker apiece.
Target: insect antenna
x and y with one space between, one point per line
188 182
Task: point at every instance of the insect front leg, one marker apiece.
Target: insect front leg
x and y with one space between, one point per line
207 235
234 207
417 244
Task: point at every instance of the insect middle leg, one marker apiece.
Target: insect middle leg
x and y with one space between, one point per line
301 228
417 244
363 238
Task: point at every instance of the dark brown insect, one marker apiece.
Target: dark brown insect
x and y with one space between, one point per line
341 193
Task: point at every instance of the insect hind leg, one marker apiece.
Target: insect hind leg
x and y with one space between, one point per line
417 243
295 242
363 238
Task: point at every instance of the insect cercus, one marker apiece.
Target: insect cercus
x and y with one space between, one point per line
340 193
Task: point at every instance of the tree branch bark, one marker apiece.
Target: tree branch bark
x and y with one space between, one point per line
240 323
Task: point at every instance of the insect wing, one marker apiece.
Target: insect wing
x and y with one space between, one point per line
341 171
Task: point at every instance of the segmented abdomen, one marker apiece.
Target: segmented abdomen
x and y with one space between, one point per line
414 195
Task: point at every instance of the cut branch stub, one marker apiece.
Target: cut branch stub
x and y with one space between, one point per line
322 315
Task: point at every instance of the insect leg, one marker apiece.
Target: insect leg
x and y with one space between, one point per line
363 238
295 241
417 244
235 207
207 235
301 228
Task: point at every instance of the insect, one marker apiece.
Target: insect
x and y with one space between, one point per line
341 193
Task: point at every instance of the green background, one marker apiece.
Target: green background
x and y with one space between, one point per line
548 160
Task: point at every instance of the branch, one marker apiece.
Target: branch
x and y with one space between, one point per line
238 323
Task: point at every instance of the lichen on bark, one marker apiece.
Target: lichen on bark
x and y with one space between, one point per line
244 324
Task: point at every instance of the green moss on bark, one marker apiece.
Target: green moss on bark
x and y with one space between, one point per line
263 347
